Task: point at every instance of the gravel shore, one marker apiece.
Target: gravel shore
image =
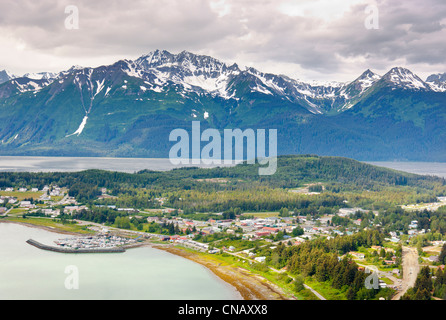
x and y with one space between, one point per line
249 285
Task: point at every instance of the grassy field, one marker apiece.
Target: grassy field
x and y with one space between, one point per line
17 212
22 195
51 224
325 289
262 214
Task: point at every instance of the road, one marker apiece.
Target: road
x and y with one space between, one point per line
410 270
387 274
236 254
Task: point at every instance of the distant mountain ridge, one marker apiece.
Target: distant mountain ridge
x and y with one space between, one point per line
128 109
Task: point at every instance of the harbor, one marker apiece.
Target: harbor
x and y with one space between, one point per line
101 243
73 250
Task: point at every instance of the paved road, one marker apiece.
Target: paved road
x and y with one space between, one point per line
410 270
387 274
227 251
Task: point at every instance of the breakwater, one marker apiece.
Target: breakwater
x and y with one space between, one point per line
72 250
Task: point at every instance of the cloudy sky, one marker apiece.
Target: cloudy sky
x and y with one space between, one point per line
323 40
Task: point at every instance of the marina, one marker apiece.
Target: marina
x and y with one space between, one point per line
100 241
73 250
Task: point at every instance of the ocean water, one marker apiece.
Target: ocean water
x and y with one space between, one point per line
144 273
424 168
70 164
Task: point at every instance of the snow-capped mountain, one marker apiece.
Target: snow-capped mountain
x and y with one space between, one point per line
404 78
193 72
188 73
129 108
5 76
211 76
437 82
41 75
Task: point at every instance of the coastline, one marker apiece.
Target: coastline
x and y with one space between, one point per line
249 285
54 230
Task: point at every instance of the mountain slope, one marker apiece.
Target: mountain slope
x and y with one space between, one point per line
128 109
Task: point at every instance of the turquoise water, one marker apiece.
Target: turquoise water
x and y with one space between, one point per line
140 273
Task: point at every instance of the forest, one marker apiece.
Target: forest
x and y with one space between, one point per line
219 189
321 260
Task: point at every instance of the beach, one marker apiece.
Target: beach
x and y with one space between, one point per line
250 285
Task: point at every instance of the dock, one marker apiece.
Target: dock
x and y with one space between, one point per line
73 250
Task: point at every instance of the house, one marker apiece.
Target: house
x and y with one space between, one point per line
434 258
72 209
260 259
207 231
263 233
357 255
51 212
26 204
348 211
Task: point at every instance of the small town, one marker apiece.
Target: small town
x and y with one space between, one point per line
314 226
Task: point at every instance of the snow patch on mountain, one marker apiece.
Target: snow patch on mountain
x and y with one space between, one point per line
81 127
437 82
404 78
100 86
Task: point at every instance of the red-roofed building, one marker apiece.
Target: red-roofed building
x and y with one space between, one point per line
262 233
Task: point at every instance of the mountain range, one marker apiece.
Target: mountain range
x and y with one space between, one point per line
128 109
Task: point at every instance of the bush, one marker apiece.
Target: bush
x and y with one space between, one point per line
299 284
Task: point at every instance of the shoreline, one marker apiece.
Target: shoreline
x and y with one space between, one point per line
54 230
250 286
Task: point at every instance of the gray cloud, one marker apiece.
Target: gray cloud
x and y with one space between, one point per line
317 44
